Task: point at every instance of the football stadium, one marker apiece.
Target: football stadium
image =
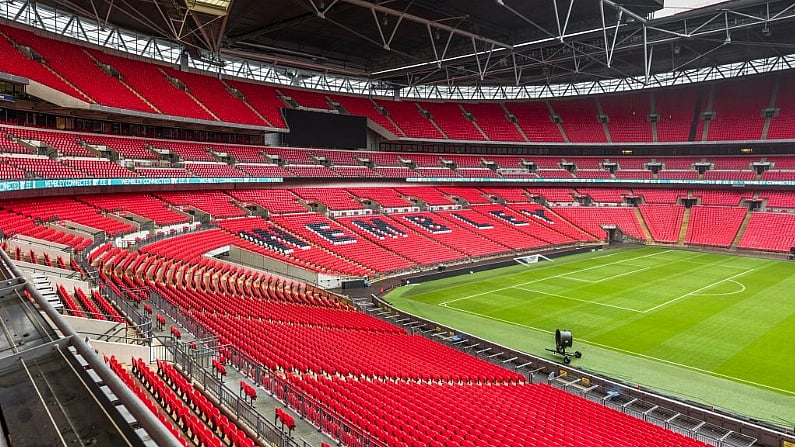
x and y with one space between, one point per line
397 223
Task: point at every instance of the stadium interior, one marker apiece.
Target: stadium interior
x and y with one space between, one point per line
203 204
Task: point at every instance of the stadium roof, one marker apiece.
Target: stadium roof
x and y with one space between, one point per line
399 44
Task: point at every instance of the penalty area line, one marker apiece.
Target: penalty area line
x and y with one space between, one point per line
697 291
581 300
552 277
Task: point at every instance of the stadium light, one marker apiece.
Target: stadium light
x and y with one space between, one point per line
212 7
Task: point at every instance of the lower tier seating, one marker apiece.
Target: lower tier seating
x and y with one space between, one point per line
714 226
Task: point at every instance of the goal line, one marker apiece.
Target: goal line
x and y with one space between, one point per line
530 259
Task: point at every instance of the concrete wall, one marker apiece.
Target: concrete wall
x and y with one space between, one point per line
262 262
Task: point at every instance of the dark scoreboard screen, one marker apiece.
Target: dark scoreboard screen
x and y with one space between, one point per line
325 130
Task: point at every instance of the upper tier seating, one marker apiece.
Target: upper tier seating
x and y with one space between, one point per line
263 98
147 79
714 226
737 104
738 108
77 67
664 221
782 126
278 201
15 62
307 98
580 120
592 218
491 118
628 115
452 121
408 117
364 107
770 232
212 93
676 109
534 119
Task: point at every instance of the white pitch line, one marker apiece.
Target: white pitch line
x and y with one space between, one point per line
742 289
695 292
549 277
580 300
607 278
625 351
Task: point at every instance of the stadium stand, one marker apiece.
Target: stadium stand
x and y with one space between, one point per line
664 221
738 109
492 119
628 117
77 67
534 118
769 232
714 226
592 219
580 120
451 119
151 83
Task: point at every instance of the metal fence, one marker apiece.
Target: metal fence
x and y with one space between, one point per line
242 410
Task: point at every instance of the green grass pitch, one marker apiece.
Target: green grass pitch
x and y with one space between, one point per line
713 328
